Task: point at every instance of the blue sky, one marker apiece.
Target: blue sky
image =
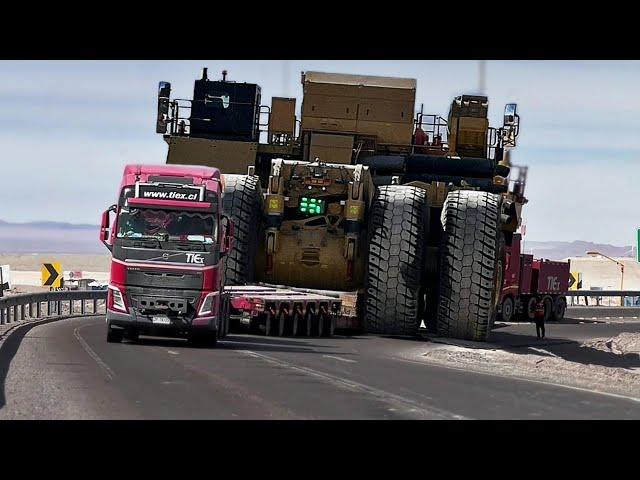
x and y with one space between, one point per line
68 127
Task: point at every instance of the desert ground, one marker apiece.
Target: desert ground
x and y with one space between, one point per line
25 268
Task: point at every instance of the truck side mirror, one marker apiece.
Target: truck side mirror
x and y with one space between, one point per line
510 114
228 238
164 92
104 227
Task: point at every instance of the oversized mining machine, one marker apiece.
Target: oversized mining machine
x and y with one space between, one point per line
406 214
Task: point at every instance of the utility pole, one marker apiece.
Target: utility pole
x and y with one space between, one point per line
482 64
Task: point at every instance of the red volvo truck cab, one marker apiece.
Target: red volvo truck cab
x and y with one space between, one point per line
168 240
528 281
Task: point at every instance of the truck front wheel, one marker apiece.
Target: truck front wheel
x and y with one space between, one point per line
114 335
203 339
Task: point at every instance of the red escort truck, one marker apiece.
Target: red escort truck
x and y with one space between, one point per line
168 240
527 281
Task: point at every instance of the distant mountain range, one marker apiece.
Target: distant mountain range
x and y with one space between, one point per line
578 248
49 237
59 237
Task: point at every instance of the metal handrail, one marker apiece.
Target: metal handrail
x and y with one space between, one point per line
29 305
603 293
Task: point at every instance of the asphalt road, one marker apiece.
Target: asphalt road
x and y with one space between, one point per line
66 370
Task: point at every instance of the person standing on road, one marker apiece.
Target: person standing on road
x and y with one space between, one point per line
539 318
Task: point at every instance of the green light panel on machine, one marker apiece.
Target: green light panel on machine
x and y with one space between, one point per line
311 206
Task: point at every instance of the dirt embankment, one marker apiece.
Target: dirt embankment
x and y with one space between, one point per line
610 365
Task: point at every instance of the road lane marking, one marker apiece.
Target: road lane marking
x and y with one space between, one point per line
348 360
171 352
92 354
397 401
265 345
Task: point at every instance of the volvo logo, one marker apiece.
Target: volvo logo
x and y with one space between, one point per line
165 256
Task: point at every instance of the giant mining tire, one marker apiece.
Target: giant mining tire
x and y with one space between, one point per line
398 227
242 202
471 265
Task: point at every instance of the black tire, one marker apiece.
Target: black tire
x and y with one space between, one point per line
224 317
548 308
559 308
471 268
398 228
529 313
114 335
242 202
507 309
203 339
132 335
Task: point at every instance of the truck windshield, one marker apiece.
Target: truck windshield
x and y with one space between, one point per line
167 225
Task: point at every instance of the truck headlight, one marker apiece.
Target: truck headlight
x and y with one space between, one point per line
207 304
115 299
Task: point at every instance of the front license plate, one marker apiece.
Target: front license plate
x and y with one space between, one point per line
161 320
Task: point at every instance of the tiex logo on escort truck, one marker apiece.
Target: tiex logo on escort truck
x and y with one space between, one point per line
553 283
195 258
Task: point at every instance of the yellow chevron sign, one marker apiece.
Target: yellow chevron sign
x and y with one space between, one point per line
51 275
575 281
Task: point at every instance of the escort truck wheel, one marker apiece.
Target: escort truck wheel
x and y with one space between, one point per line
507 309
470 265
132 335
203 339
398 228
559 308
242 202
113 335
548 308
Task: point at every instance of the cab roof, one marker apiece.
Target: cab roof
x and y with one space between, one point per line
172 171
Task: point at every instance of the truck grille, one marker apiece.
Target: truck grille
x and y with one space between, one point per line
160 279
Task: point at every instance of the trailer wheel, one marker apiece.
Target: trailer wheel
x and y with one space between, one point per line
559 308
242 202
398 228
471 265
507 309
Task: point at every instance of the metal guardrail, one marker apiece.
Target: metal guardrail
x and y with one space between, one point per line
30 305
628 298
51 304
603 293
